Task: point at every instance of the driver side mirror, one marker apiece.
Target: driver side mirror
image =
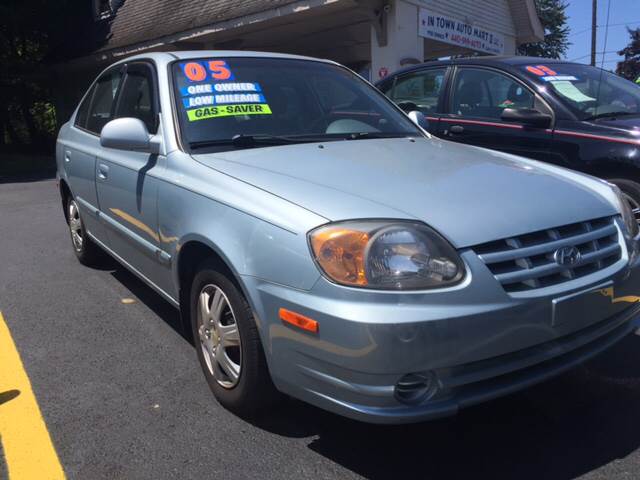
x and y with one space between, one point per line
526 116
419 119
129 134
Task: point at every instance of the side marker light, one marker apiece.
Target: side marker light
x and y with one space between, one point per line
297 320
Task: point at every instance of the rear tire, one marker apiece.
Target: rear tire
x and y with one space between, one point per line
631 190
228 344
87 252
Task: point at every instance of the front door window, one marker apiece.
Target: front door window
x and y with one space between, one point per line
485 94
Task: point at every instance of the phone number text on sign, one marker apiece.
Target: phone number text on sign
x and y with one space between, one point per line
456 32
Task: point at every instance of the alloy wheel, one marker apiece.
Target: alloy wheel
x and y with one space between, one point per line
635 206
219 336
75 225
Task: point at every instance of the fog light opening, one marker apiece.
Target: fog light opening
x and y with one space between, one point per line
415 388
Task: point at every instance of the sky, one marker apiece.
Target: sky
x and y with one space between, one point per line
622 12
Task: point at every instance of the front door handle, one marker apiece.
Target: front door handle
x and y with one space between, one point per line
103 171
456 129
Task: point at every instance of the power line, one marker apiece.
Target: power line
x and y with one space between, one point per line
633 22
605 62
588 54
607 59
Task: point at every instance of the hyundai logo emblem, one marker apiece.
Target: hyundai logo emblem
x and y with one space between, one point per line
567 256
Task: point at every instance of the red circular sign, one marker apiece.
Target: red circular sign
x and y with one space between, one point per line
383 72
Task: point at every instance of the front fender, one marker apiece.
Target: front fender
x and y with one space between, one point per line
200 207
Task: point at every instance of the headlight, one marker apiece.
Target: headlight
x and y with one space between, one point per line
627 212
384 255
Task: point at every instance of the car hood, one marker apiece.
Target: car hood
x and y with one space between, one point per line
469 194
624 124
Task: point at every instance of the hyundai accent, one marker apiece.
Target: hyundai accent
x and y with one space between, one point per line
319 243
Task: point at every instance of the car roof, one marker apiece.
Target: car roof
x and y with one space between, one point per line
491 61
189 54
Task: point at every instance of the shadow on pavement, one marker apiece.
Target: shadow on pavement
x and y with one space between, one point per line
19 167
8 395
561 429
28 178
163 309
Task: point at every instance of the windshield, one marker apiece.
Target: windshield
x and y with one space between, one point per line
267 101
588 91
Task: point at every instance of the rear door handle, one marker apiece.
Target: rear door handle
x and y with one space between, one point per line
456 129
67 156
103 171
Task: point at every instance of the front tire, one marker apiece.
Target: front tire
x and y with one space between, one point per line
85 249
228 344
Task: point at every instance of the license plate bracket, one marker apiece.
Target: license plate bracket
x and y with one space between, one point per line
585 308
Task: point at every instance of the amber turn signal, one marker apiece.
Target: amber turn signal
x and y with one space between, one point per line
341 254
297 320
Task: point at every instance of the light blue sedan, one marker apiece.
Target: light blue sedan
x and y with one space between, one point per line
319 243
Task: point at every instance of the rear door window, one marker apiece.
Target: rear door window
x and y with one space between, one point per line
97 108
136 99
83 111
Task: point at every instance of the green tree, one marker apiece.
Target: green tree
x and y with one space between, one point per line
630 67
556 31
29 31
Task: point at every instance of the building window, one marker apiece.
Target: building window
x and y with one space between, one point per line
104 9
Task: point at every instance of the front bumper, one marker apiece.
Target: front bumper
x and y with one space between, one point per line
480 342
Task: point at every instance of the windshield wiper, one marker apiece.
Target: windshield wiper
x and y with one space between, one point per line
246 141
251 141
365 135
610 115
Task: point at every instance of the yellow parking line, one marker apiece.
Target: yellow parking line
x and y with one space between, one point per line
28 450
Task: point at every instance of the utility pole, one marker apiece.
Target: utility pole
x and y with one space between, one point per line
594 27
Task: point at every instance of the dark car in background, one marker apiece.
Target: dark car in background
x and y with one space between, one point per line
569 114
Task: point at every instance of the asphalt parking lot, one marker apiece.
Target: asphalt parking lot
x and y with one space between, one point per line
122 395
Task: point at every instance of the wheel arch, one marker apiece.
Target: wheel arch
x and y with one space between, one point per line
65 194
612 168
191 253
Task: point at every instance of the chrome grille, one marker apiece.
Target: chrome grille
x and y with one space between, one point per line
527 261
